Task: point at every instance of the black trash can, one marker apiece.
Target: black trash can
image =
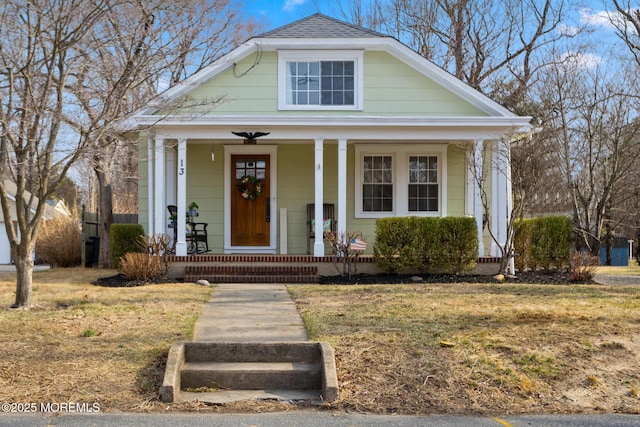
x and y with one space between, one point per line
95 250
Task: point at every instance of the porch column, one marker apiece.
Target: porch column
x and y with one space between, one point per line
509 199
181 202
318 245
150 184
342 186
498 197
160 223
478 213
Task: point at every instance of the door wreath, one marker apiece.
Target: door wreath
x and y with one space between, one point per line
250 187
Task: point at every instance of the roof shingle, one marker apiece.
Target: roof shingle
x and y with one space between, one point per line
320 26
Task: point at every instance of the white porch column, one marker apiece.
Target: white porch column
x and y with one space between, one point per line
318 245
509 199
498 198
342 186
181 203
150 184
477 192
160 222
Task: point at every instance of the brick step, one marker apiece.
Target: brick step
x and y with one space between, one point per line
252 279
251 376
252 273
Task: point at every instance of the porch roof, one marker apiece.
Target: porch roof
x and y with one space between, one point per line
353 128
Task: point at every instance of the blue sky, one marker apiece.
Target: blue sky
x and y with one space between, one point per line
276 13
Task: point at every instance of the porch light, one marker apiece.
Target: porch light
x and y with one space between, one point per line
249 137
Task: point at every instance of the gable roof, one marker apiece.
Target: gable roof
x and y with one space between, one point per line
320 26
320 32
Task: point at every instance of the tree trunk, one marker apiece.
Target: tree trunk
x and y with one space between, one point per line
24 276
105 214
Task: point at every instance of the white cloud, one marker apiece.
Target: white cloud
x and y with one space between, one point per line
597 18
289 5
581 60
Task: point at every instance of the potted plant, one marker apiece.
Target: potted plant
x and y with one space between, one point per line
193 209
173 218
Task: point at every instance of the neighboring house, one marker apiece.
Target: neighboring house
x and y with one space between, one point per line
52 209
354 118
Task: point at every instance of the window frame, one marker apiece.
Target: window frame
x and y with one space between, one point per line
284 57
400 154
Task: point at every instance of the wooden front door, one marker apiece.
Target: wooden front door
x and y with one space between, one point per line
250 209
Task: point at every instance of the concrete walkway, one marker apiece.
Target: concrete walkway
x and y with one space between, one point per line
250 313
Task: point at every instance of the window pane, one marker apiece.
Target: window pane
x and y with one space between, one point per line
377 190
423 184
348 68
338 68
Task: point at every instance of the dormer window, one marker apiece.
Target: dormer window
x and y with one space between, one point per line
320 80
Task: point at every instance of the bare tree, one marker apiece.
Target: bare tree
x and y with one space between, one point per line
627 24
596 139
38 59
494 46
141 47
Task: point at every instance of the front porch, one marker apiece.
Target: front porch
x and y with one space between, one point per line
268 268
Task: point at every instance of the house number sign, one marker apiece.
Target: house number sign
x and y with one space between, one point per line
181 172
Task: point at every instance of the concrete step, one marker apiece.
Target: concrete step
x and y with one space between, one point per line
195 369
243 352
251 376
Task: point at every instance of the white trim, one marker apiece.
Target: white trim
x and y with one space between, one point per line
318 245
315 56
272 151
400 154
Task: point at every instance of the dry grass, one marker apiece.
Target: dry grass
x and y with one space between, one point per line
407 349
84 343
464 349
633 269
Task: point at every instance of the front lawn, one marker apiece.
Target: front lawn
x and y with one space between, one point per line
480 348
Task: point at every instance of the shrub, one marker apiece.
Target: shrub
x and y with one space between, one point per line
140 266
543 242
459 240
551 241
393 248
522 245
446 244
583 266
123 239
59 241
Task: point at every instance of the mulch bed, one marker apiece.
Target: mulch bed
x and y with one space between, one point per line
539 277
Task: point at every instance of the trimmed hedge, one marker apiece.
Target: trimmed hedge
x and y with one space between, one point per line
543 242
123 239
426 244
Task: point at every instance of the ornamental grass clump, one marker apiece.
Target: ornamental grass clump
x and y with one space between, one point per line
60 242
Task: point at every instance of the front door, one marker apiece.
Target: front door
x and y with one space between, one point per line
250 210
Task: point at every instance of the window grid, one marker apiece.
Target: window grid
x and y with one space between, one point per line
321 82
377 184
423 184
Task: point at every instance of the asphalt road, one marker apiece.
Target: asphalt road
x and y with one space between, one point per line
311 419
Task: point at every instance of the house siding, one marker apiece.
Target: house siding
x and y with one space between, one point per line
406 93
205 186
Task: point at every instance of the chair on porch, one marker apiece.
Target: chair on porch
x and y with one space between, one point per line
196 236
328 221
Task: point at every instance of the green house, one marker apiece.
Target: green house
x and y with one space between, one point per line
344 119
